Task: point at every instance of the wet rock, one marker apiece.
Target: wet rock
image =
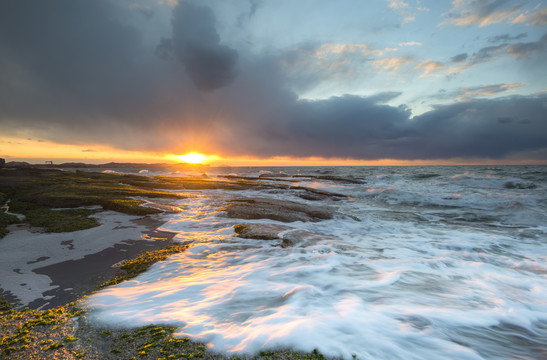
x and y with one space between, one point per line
425 176
311 196
316 194
257 178
336 179
301 238
519 185
290 236
279 210
301 191
17 164
260 231
271 175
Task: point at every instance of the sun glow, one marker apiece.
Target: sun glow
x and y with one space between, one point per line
192 158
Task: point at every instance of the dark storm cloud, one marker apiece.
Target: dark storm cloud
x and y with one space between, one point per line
69 57
209 64
473 129
348 126
357 127
80 71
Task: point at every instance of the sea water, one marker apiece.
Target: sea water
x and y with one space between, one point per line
418 263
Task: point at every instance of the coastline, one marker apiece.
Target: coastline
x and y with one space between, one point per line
46 275
44 270
314 271
55 324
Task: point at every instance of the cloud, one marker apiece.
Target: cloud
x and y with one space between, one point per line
357 127
254 5
82 72
490 89
430 68
196 43
392 64
405 10
327 50
145 10
410 43
307 65
459 58
488 53
537 18
384 97
520 50
70 55
421 7
472 128
397 4
480 12
506 38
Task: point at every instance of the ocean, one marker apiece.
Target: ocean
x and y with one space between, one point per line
433 262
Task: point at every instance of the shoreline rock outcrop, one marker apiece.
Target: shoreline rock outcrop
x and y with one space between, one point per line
288 236
274 209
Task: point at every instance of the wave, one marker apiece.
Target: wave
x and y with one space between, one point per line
438 267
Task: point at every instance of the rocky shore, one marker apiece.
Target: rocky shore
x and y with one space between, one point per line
66 234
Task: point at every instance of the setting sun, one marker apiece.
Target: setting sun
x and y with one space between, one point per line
192 158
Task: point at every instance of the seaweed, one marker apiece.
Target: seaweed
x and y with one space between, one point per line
5 220
53 199
32 330
141 263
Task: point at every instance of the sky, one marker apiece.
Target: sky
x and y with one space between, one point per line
274 81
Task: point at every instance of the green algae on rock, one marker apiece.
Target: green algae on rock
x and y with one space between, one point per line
141 263
54 199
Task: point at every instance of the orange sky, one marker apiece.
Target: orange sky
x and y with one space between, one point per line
39 151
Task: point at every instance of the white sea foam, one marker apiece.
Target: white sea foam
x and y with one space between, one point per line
407 281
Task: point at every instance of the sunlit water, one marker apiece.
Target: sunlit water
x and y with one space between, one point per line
445 263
